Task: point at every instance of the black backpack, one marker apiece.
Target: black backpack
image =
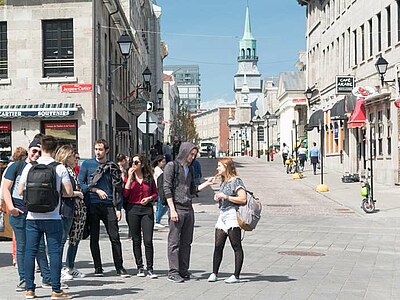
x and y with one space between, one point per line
41 193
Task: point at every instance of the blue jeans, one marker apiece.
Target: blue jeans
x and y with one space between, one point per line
72 249
160 210
35 229
18 225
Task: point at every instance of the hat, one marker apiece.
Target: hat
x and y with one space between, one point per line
35 143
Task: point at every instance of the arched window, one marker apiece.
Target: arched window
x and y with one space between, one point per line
243 53
254 52
248 52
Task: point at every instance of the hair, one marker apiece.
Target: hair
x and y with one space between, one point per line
314 143
19 154
63 153
121 157
284 144
230 169
157 160
49 143
103 142
146 169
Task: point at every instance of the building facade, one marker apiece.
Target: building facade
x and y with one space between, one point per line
62 73
346 38
187 78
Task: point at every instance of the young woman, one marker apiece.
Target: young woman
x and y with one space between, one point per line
66 155
140 191
159 164
232 193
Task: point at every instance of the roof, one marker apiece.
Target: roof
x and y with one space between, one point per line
293 81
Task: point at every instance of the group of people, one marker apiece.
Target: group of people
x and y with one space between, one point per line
313 153
97 191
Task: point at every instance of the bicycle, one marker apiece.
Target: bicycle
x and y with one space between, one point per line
367 203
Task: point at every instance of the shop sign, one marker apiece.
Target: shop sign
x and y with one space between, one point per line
299 100
76 88
344 84
60 125
363 91
35 113
5 126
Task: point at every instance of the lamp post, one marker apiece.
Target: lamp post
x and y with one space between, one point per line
147 87
271 119
237 142
258 121
233 144
251 138
125 45
295 138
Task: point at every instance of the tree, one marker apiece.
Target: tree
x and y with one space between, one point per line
183 126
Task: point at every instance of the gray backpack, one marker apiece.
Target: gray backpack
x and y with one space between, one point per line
249 214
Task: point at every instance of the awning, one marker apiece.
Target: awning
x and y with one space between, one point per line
46 110
357 118
338 111
315 120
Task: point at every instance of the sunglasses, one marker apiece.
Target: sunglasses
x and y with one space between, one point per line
34 151
136 162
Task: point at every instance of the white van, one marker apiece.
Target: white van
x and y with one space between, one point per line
207 149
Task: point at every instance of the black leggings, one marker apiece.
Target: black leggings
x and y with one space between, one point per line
235 238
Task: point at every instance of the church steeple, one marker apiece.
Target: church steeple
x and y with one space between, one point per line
248 43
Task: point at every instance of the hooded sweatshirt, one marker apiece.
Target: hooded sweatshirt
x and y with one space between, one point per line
181 195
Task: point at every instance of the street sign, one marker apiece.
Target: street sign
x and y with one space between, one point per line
152 122
344 84
149 106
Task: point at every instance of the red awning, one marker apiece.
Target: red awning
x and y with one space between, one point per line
357 118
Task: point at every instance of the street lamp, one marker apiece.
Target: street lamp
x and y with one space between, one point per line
147 87
160 95
308 93
251 138
125 45
258 121
271 119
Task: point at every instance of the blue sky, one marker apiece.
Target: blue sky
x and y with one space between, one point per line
207 33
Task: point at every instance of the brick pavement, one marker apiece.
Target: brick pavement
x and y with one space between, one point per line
337 251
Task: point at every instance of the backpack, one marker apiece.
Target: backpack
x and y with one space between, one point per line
249 214
41 193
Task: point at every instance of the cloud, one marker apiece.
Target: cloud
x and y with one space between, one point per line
215 103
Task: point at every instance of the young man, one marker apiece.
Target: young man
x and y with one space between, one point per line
17 209
314 155
49 223
101 181
179 189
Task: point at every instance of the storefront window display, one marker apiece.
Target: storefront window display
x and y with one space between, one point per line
5 142
66 132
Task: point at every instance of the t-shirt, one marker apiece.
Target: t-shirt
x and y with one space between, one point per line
314 152
302 150
9 174
62 177
157 172
230 188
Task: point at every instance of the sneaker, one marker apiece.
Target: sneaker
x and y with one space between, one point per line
37 270
186 277
60 295
123 273
232 279
20 286
212 278
151 274
175 278
65 274
140 273
76 273
98 272
159 226
47 285
30 295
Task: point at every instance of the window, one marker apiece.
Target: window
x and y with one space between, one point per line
362 43
355 46
389 27
3 50
380 133
379 17
371 38
58 48
260 134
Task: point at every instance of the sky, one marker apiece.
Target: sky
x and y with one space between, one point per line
207 33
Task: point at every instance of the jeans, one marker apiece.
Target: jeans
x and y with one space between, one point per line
35 229
72 249
141 222
160 210
105 213
180 238
18 224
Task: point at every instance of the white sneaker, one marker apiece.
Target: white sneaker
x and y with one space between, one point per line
76 273
65 274
232 279
212 278
159 226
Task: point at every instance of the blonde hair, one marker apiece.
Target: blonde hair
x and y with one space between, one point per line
230 169
19 154
63 153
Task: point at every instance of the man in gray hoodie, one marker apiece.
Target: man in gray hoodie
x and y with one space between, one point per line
179 189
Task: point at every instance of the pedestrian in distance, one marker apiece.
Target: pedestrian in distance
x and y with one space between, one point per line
302 153
231 194
100 180
161 209
285 153
314 156
17 210
66 156
179 190
123 164
42 194
167 152
140 192
153 153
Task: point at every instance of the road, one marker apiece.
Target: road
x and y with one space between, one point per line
307 246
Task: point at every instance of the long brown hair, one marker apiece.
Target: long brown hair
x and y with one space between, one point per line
146 168
230 169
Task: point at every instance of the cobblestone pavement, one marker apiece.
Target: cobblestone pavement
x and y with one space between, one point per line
307 246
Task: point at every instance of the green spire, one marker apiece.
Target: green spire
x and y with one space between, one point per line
247 27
